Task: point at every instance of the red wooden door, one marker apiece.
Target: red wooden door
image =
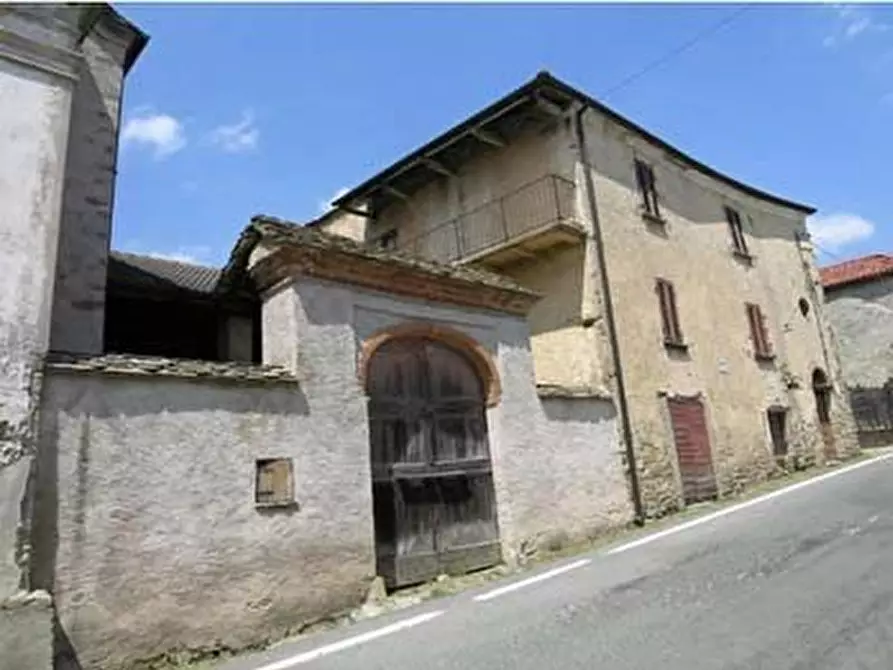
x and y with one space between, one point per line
693 449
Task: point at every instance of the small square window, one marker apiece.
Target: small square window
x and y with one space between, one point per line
388 241
274 482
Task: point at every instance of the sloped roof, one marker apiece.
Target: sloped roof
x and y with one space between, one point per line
452 146
866 268
159 275
280 232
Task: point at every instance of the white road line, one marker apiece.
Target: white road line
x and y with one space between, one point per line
495 593
346 643
748 503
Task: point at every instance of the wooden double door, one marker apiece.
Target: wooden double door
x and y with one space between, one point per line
434 505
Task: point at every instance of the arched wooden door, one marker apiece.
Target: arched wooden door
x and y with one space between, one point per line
432 482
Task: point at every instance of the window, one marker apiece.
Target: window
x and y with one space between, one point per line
645 181
274 482
739 243
804 307
669 315
388 241
777 417
758 333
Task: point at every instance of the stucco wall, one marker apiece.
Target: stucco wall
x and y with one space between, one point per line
556 469
563 349
149 537
693 250
862 318
346 224
79 297
36 79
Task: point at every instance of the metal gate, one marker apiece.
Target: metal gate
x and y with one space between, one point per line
432 483
693 449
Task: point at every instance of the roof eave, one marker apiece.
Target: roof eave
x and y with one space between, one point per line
542 82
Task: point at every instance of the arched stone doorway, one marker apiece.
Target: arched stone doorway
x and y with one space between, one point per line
821 389
434 505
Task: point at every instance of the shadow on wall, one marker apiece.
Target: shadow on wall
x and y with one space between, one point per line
131 398
559 277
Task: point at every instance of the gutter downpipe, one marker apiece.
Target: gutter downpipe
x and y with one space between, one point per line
626 426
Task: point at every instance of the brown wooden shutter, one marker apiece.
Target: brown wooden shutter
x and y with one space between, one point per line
758 332
735 228
645 181
669 315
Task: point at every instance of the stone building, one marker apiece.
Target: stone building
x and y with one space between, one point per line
463 362
687 297
859 303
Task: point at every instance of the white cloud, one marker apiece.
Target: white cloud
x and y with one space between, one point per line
830 232
237 137
851 22
161 133
326 205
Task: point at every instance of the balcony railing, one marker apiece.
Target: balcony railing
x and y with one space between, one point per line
526 216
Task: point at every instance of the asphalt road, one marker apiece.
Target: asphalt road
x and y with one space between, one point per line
803 580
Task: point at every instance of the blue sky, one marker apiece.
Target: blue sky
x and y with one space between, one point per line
234 110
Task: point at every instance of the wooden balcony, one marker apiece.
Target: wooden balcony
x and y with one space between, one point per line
518 226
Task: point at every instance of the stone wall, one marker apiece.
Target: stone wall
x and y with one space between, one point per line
692 248
147 530
556 462
79 298
861 316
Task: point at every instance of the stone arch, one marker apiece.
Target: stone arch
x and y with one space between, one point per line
480 359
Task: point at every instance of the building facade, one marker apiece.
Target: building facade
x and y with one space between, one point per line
531 330
688 297
859 303
61 69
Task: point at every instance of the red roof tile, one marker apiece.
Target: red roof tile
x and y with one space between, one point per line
856 270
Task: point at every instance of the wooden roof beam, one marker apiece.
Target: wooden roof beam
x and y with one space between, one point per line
438 167
390 190
547 106
487 137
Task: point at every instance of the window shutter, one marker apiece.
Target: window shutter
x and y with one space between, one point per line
664 309
737 231
758 332
669 315
674 314
645 182
764 333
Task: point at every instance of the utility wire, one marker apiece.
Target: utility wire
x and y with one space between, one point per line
707 32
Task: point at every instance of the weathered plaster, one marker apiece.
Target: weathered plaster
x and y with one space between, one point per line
79 297
148 533
26 632
692 249
862 319
557 468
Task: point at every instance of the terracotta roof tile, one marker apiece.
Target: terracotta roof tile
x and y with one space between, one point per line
856 270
